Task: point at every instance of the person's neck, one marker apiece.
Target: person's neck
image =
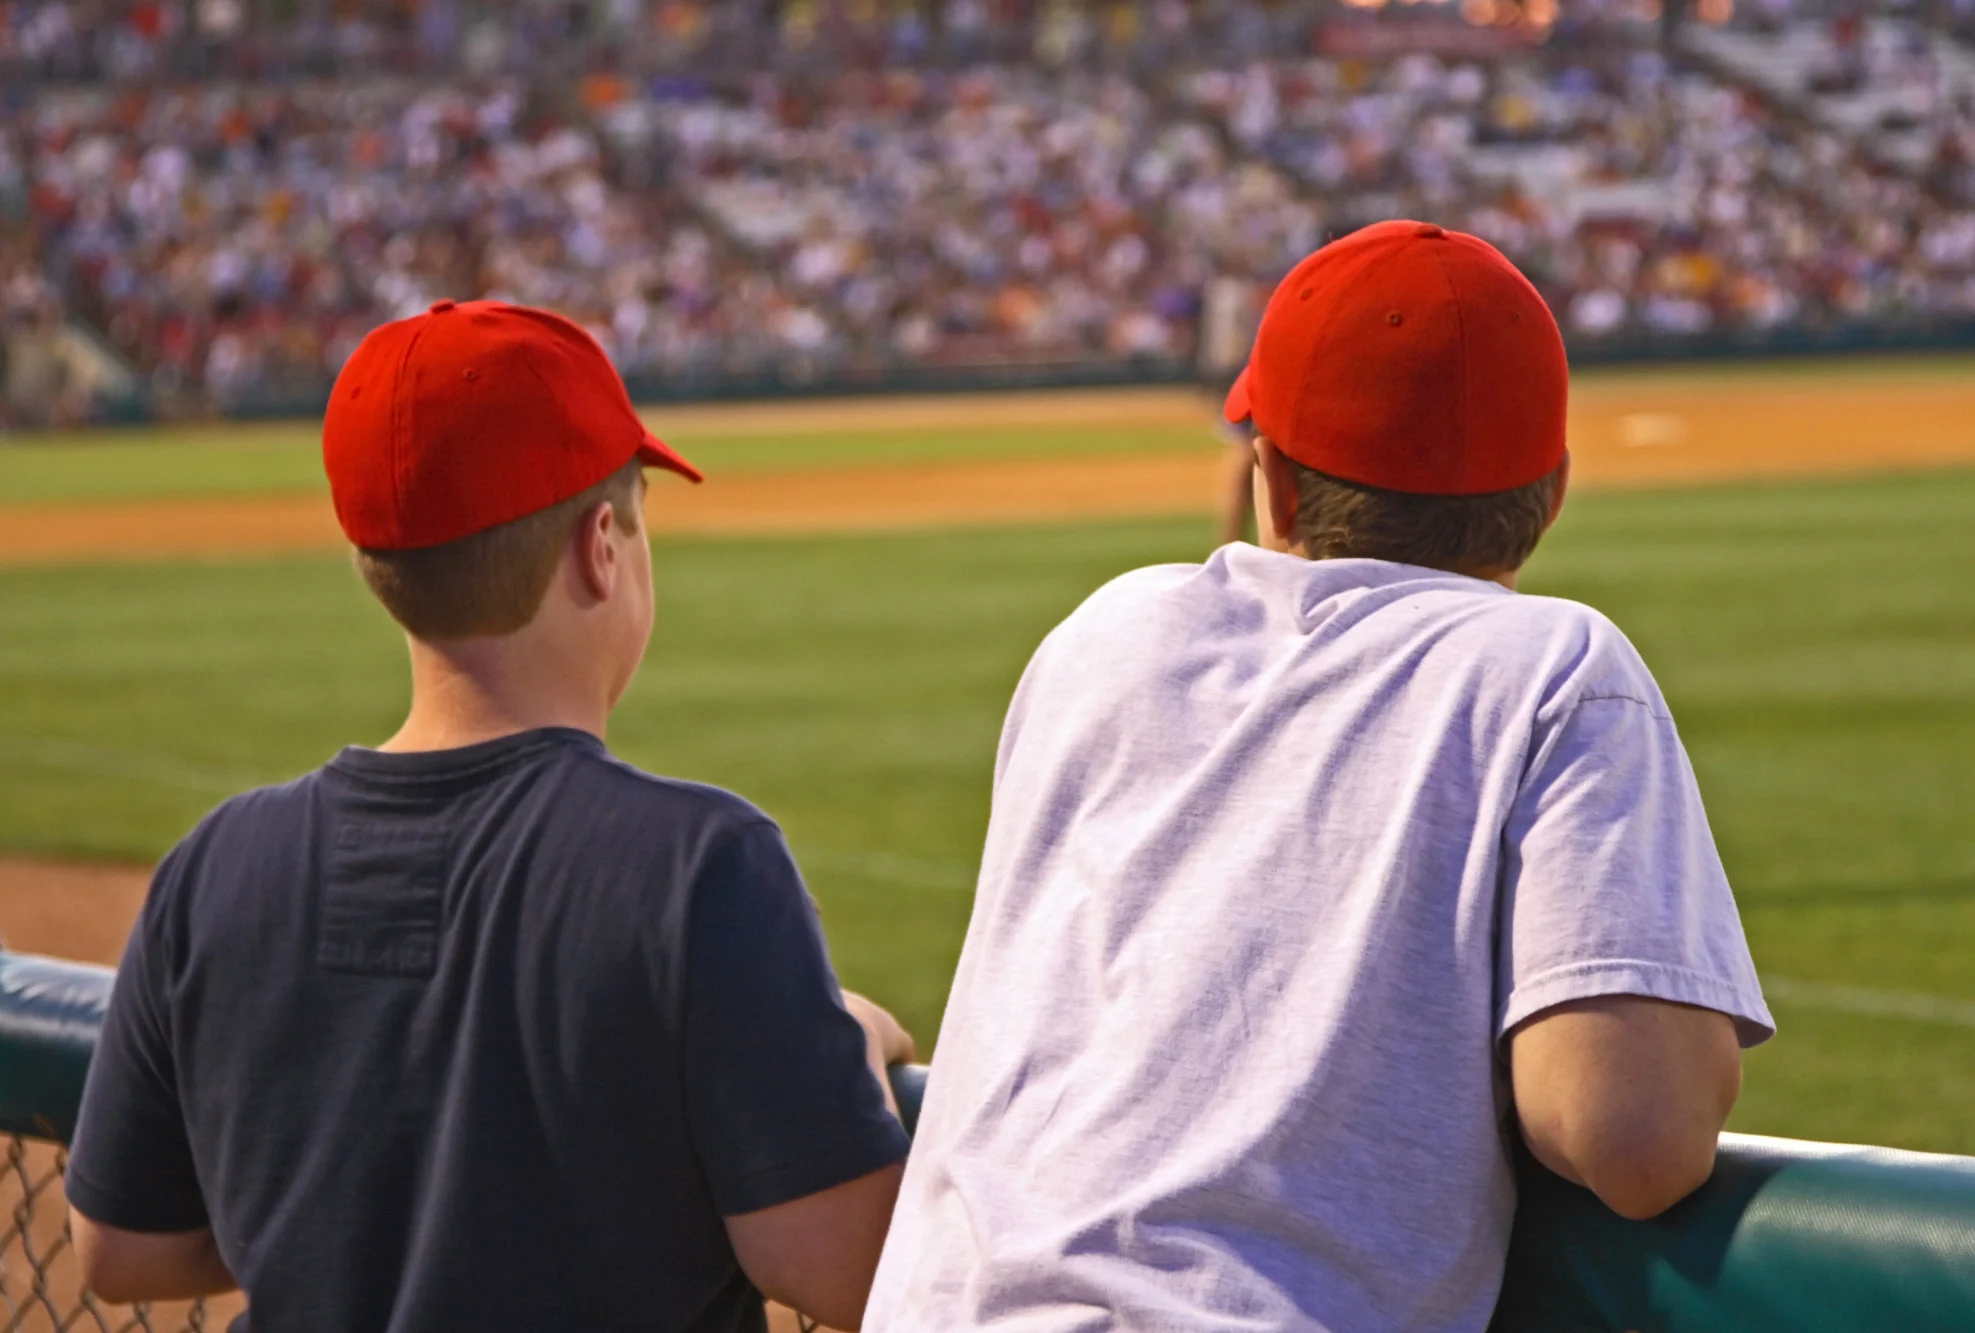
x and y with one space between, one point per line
467 691
1505 577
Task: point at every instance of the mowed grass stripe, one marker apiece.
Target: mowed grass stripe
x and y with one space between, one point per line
1816 641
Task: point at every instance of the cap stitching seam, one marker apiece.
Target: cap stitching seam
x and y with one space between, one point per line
399 407
528 364
1378 263
1461 341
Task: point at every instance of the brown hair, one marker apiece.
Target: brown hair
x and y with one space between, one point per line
1336 519
491 582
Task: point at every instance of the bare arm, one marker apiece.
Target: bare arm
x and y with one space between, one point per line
818 1254
122 1266
1626 1096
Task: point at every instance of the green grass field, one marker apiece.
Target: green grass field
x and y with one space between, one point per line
286 457
1817 642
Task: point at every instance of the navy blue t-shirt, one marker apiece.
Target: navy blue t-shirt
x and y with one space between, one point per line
479 1038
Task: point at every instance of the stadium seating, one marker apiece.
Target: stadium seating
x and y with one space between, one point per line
1786 1238
1895 87
804 193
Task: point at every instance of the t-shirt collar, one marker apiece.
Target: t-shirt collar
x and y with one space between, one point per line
467 761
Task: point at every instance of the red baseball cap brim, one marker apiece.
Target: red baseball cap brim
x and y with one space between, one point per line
654 452
1237 409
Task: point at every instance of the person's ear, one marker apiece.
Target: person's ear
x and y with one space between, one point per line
596 553
1563 485
1276 516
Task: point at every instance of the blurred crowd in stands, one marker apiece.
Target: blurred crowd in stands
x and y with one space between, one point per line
995 212
1640 195
230 193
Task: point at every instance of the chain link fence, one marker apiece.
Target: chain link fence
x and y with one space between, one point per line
40 1281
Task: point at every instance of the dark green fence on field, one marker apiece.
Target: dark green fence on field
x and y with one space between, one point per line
1787 1238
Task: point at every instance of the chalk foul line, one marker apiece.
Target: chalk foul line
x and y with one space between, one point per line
1870 1001
103 761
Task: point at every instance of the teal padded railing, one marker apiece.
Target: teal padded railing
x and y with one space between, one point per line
50 1013
1787 1237
908 1085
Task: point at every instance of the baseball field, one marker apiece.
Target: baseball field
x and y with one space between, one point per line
847 602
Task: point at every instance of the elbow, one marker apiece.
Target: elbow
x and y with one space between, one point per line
109 1281
1641 1177
837 1313
110 1291
849 1318
105 1280
104 1275
1638 1167
99 1276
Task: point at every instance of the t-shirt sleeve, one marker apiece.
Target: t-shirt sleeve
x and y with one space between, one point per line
1612 885
131 1165
782 1103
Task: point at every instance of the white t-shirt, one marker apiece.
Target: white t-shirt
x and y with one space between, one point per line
1280 851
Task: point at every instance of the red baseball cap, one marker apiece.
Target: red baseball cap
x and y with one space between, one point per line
1410 358
471 415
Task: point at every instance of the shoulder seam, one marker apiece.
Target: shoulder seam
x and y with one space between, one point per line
616 764
748 825
1646 704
